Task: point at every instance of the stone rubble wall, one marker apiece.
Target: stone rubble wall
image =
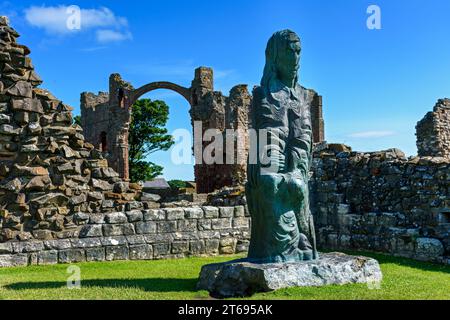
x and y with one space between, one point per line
383 202
48 172
139 235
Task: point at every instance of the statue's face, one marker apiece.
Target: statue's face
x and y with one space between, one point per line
289 61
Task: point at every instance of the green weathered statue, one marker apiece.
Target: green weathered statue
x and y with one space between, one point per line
277 187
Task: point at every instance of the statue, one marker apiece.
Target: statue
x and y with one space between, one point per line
282 251
277 188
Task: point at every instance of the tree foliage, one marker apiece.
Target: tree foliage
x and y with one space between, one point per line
77 120
147 135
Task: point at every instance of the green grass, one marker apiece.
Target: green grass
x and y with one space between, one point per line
176 279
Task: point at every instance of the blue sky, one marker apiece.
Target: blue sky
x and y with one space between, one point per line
376 84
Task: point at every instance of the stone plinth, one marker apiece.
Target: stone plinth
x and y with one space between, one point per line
241 278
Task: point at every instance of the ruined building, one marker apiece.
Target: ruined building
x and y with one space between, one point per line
106 118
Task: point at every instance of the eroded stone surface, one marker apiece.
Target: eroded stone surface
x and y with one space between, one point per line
240 278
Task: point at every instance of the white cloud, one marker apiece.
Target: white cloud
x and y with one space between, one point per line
372 134
54 20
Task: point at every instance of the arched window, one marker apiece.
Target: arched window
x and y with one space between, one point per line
120 97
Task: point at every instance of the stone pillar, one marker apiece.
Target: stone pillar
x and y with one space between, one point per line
433 131
317 119
119 123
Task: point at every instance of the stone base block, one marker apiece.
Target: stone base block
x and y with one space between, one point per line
241 278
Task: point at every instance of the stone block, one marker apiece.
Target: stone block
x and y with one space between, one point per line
48 257
71 256
193 213
429 249
86 243
117 253
110 230
166 226
219 224
204 224
114 241
197 247
211 212
239 211
226 212
180 247
227 246
91 230
136 239
96 218
145 227
174 213
13 260
161 249
241 223
154 215
116 218
187 225
6 248
212 246
95 254
134 216
58 244
242 246
28 246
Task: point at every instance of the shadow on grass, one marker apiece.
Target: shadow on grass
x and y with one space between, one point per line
149 285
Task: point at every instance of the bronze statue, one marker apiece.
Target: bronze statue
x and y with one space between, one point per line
277 187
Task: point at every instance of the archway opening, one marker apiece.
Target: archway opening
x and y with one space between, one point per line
178 161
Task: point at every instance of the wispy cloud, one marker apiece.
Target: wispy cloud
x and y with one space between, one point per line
55 20
104 36
372 134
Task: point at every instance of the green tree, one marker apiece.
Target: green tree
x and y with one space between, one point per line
146 136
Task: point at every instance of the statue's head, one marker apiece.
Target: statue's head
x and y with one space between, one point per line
282 58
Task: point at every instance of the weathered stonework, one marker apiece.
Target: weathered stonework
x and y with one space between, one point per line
383 202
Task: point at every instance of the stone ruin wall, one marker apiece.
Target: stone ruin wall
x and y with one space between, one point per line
382 201
139 235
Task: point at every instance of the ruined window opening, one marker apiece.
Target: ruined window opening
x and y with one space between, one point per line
120 98
103 142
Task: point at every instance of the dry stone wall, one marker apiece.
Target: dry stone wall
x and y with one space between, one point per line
139 235
49 174
383 202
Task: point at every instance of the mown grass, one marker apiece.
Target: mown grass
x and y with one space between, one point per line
176 279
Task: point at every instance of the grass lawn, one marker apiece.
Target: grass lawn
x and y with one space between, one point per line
176 279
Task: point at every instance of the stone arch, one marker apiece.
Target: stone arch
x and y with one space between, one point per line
136 94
